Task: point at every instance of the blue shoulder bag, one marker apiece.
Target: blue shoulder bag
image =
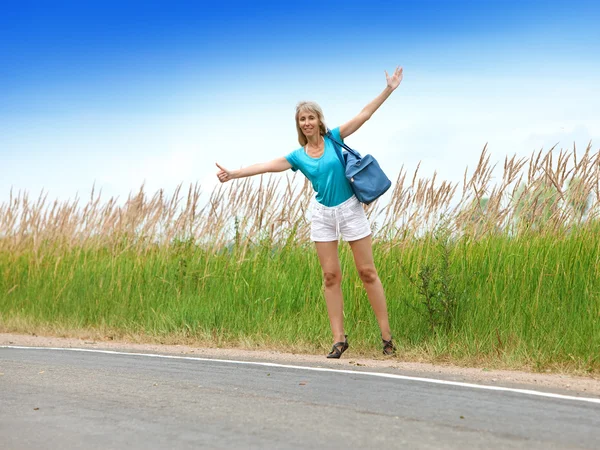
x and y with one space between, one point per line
364 174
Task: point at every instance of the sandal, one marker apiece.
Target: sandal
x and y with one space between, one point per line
338 348
388 347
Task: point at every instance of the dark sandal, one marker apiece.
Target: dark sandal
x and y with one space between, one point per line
388 347
338 348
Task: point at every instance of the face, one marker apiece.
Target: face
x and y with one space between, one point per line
308 122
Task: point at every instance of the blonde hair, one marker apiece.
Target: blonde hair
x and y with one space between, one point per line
314 108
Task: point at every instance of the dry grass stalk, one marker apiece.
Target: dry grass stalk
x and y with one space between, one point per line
547 192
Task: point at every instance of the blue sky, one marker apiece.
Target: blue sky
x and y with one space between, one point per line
124 93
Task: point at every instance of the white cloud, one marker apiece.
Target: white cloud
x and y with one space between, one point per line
445 123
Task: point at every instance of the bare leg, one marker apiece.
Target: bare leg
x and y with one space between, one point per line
332 277
363 258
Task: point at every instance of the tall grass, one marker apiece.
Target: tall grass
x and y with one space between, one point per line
522 261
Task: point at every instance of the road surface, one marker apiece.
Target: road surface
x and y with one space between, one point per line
61 399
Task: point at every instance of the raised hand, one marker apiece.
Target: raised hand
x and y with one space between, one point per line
223 174
396 78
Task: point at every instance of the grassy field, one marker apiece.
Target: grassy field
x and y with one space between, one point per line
504 276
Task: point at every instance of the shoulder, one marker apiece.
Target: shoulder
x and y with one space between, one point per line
295 158
295 153
335 134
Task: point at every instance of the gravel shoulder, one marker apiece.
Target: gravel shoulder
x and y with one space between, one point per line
563 383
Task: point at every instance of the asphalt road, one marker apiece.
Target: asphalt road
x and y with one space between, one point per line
54 399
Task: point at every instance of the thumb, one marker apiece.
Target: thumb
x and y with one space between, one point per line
220 167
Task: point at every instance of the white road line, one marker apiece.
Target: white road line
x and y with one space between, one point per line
322 369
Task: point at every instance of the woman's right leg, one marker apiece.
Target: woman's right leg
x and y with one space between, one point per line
332 277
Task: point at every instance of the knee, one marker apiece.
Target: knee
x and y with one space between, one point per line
332 279
368 275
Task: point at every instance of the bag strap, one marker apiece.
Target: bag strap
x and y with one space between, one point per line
338 152
341 144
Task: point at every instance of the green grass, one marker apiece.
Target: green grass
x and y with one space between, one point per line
529 302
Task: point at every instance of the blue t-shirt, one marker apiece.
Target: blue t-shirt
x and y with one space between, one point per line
326 173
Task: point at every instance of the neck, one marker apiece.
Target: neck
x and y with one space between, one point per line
314 141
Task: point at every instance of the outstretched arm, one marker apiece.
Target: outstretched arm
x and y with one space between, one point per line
276 165
354 124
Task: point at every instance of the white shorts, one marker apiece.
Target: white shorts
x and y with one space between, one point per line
348 219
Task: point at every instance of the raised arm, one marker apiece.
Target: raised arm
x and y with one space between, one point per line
354 124
276 165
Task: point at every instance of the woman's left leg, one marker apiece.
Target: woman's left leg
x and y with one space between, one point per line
363 258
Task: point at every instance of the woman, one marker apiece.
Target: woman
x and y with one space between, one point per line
335 210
